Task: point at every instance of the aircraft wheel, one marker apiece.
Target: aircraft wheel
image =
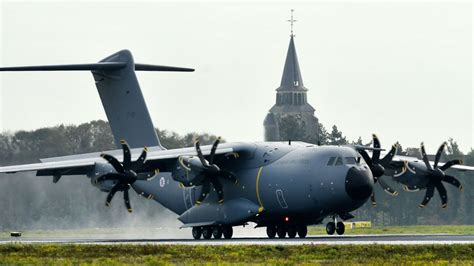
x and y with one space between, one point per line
302 231
291 231
340 228
330 228
207 232
217 232
271 231
281 231
197 232
228 232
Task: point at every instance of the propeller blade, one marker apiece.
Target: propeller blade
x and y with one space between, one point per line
141 160
443 194
387 188
114 162
218 187
439 153
366 157
428 195
127 156
229 175
389 156
126 199
199 153
425 157
213 150
111 194
453 181
206 186
372 199
448 165
376 153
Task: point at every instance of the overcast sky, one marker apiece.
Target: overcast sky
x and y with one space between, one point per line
402 70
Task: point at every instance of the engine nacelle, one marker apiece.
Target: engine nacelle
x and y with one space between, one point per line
189 171
413 175
99 170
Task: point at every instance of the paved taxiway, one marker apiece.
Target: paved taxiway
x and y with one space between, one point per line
328 240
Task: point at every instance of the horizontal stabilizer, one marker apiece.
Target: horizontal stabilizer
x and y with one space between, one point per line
145 67
106 66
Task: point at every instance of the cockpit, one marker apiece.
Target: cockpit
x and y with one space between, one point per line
340 160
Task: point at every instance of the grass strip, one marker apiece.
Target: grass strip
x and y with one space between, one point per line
236 254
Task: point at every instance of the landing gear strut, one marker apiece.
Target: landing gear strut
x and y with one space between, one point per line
335 227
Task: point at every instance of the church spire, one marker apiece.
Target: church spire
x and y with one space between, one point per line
291 79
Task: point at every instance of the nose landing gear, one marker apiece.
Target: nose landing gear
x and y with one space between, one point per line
335 227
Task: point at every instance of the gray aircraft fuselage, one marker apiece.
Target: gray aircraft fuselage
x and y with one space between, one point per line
289 182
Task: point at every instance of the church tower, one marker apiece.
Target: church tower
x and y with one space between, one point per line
292 117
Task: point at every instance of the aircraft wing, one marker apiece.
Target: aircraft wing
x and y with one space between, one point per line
399 159
83 163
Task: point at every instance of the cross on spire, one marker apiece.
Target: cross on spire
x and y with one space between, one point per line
291 22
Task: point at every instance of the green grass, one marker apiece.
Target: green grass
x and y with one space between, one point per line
236 254
416 229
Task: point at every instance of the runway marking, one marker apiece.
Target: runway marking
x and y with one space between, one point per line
313 240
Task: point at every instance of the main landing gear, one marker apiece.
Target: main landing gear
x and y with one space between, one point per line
335 227
283 230
207 232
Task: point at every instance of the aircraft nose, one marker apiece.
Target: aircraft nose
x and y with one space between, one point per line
359 184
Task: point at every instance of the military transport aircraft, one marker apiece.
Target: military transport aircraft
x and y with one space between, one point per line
283 186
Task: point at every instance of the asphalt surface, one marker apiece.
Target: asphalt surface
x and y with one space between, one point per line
329 240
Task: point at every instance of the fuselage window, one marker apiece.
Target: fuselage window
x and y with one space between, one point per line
350 160
331 160
338 161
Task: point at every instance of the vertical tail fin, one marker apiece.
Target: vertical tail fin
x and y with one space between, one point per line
120 93
124 104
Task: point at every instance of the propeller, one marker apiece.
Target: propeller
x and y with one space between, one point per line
436 176
377 166
125 174
205 173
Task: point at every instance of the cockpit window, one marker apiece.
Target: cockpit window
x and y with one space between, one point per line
331 160
350 160
338 161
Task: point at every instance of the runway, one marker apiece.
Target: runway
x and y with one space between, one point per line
427 239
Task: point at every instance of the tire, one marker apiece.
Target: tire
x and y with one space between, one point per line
302 231
207 232
330 228
228 232
217 232
197 232
271 231
281 231
340 228
291 232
